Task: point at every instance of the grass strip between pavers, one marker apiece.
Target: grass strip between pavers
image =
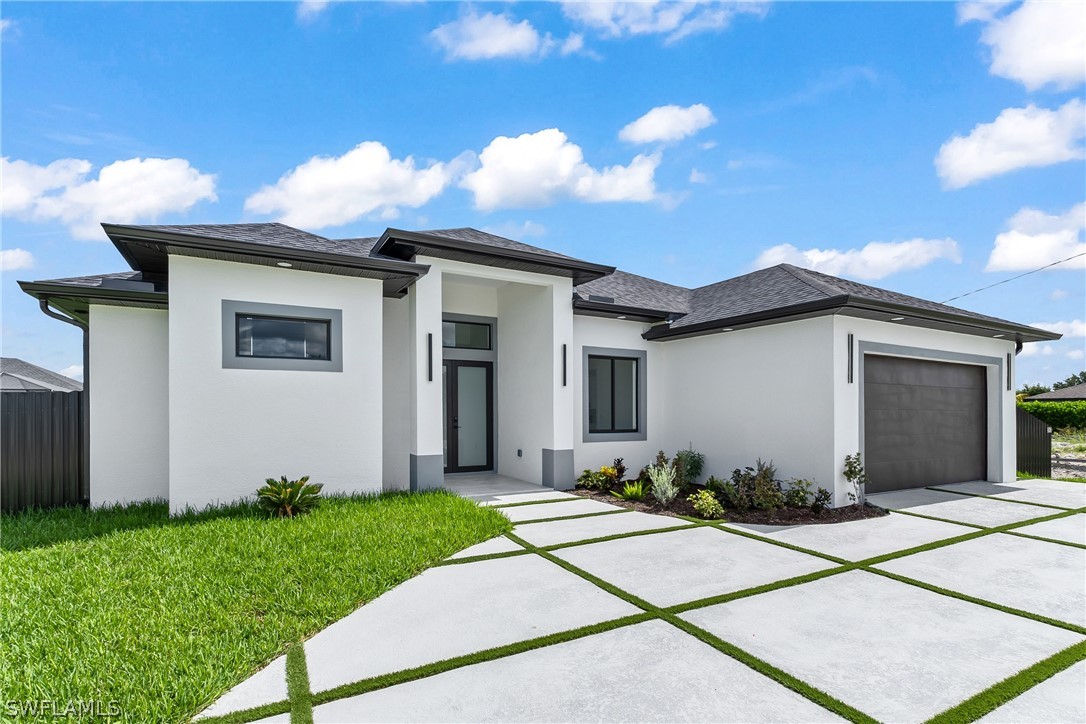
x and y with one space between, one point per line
780 544
1005 500
1041 538
301 701
574 517
766 669
1012 687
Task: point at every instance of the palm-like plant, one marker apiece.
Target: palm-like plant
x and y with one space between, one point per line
633 490
288 498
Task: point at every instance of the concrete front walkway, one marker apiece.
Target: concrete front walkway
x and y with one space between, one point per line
591 612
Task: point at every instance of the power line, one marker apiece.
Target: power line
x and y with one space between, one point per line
1026 274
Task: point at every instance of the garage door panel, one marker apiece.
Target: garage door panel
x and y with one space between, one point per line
924 422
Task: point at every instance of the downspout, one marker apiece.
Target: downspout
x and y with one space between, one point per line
85 461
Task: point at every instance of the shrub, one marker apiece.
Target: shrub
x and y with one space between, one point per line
822 499
620 469
1058 415
632 490
610 473
688 465
706 504
664 488
856 477
288 498
593 480
798 493
757 487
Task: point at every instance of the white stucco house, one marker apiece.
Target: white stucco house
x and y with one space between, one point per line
232 353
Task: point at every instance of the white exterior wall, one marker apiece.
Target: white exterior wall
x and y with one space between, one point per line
129 404
396 401
764 392
619 334
1001 401
466 298
232 428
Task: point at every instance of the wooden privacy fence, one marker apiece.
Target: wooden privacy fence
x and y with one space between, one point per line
41 450
1034 444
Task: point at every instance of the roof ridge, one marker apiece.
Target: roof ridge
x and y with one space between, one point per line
817 284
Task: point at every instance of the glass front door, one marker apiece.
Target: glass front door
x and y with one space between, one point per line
468 406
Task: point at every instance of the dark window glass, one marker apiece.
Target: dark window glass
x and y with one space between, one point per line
465 335
283 337
612 394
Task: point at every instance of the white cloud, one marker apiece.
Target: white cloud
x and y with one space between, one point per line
874 261
6 24
494 35
674 20
1034 349
523 230
1074 328
667 124
535 169
753 161
1018 138
12 259
1076 354
697 177
331 191
1034 239
73 371
1039 43
125 192
707 145
1058 294
309 10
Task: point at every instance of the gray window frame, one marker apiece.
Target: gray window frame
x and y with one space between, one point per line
642 394
232 308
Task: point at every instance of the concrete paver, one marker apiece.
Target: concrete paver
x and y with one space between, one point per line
894 651
578 529
1071 529
648 672
860 539
1046 492
958 508
501 544
1044 578
526 513
1058 700
454 610
700 562
264 687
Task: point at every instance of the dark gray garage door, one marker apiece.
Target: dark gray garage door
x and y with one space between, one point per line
925 423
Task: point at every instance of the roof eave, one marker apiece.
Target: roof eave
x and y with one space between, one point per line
603 309
1018 332
582 271
818 307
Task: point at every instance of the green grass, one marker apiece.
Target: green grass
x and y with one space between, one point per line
163 615
1026 476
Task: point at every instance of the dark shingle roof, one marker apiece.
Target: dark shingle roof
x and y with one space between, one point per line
16 372
759 291
482 237
1074 392
270 234
94 280
631 290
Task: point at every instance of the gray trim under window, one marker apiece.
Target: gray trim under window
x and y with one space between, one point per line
642 394
231 360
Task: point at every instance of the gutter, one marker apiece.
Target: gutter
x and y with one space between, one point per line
43 303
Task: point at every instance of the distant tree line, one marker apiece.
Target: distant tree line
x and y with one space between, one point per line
1028 390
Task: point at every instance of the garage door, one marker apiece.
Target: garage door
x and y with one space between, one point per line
925 423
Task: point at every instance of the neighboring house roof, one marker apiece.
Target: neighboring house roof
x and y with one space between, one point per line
17 375
1066 394
767 295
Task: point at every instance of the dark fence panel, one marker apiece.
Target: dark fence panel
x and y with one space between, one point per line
41 450
1034 444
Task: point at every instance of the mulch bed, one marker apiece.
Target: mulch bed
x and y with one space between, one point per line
782 516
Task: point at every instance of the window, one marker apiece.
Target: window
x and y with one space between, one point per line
283 337
465 335
262 336
613 394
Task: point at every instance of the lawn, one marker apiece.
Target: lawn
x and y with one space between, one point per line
162 615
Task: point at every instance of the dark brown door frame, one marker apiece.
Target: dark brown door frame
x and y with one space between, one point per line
452 367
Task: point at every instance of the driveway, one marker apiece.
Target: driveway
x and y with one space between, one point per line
590 612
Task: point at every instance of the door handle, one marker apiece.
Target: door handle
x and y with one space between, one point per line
455 426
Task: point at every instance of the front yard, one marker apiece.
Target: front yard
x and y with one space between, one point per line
131 611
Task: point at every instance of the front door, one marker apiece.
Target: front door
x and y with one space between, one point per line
468 404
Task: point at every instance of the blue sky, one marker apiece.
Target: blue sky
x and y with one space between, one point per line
949 135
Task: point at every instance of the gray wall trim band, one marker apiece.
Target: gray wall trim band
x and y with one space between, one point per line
642 395
995 446
558 469
427 472
230 360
